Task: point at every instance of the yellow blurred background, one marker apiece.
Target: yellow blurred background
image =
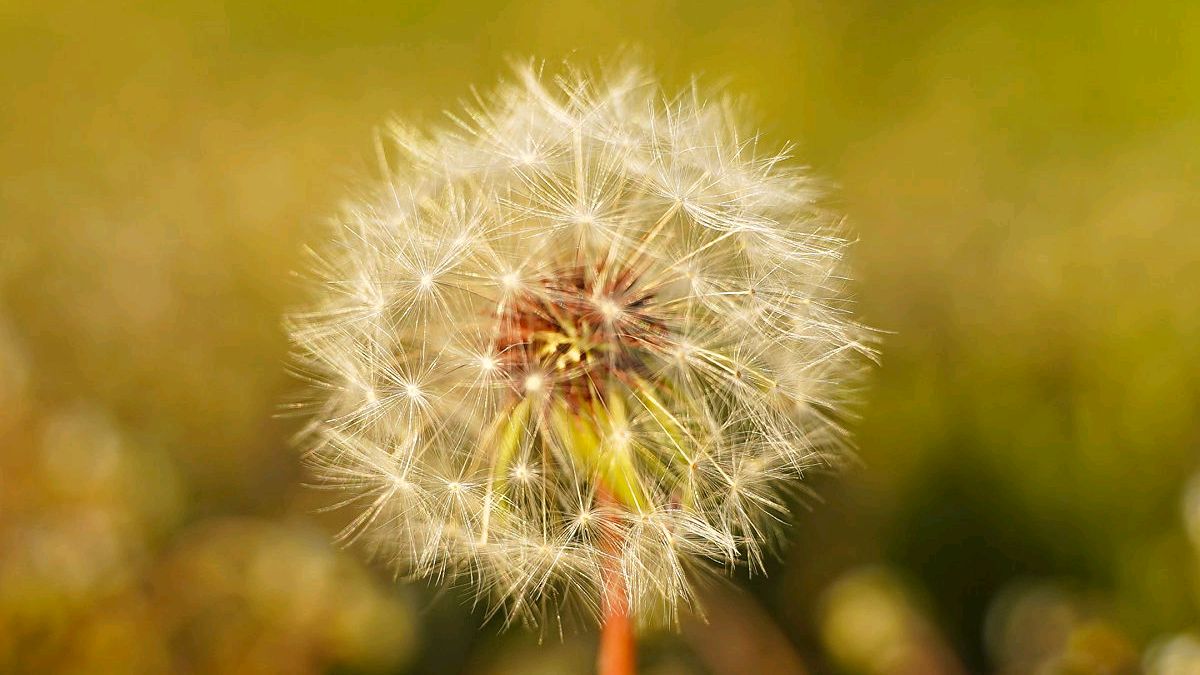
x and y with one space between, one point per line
1023 177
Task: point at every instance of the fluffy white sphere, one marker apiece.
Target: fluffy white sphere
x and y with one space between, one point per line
587 329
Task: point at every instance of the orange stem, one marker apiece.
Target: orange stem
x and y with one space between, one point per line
618 649
618 652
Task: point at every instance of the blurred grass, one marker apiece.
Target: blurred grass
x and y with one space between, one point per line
1023 178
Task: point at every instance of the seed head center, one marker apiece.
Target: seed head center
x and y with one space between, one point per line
575 329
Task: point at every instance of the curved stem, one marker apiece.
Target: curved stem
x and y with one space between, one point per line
618 648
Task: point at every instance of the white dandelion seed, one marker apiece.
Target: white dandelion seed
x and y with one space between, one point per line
588 331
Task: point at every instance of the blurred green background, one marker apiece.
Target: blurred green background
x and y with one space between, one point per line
1023 177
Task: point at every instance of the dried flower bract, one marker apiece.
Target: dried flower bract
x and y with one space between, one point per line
587 329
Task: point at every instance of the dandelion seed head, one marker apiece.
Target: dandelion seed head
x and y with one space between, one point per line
511 281
534 382
522 473
609 309
592 326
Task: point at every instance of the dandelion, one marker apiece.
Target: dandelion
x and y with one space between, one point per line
579 348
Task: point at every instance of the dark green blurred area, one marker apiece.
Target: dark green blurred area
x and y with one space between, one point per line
1023 178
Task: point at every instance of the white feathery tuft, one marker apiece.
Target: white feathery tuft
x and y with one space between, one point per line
586 327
